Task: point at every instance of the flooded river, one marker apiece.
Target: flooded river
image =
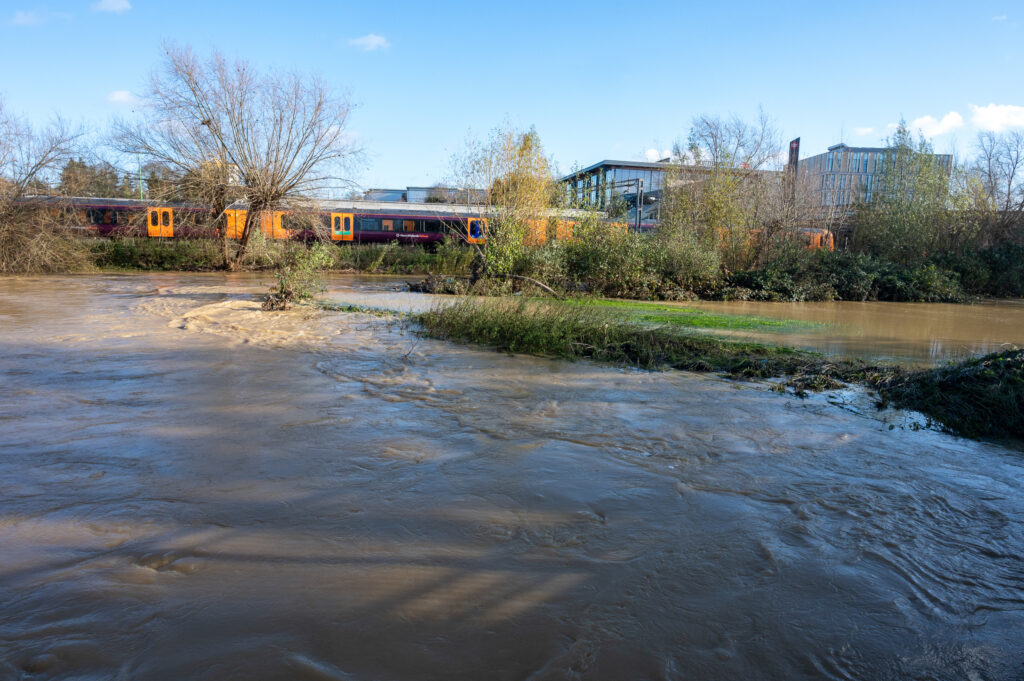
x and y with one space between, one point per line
918 333
193 489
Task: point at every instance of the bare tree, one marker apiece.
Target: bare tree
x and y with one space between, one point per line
1000 166
30 162
732 143
271 137
725 185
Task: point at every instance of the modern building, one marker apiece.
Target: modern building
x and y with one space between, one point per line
844 175
615 186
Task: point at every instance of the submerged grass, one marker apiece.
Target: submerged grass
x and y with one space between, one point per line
660 313
980 397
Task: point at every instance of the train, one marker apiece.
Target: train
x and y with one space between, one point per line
355 221
344 221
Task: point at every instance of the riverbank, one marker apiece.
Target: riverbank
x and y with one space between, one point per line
631 266
981 397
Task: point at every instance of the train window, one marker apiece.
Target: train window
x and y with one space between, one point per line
475 229
431 226
389 225
410 225
153 219
165 218
337 223
369 224
348 224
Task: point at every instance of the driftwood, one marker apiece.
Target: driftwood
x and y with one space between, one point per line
439 284
535 283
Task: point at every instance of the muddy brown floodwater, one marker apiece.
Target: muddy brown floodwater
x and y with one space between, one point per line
193 489
916 333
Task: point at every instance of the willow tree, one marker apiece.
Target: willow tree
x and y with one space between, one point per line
31 239
230 128
510 180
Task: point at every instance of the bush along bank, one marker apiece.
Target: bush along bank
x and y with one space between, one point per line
204 255
646 267
981 397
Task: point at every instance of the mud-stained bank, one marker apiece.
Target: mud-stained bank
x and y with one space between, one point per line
190 488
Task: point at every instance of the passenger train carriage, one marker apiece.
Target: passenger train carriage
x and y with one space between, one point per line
356 221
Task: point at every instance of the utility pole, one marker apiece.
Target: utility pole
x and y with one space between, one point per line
139 157
639 201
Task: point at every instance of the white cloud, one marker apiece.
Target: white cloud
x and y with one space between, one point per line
23 18
654 155
111 6
863 131
370 42
998 117
1001 17
123 98
930 127
892 126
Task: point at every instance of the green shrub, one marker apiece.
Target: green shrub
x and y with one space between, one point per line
299 277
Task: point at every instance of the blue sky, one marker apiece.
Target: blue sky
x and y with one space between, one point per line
598 79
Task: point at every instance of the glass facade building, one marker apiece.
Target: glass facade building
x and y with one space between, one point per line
844 175
613 185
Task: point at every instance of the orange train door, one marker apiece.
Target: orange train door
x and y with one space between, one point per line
341 226
236 223
271 225
476 230
536 232
160 222
564 230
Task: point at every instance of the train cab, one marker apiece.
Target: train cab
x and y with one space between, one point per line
476 230
160 222
341 226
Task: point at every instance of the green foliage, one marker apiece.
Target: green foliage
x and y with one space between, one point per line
191 255
299 277
910 217
825 275
186 255
997 271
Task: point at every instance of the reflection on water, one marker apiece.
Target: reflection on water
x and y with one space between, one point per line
925 332
190 488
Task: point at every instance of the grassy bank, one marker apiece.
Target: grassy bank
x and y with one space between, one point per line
677 315
980 397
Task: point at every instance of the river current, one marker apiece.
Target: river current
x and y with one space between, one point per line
193 489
